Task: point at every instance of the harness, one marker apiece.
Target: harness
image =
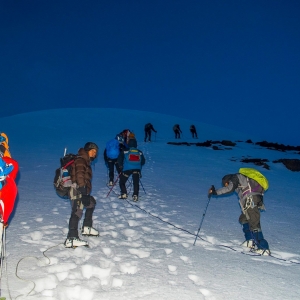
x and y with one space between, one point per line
248 202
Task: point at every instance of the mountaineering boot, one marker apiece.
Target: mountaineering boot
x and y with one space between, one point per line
110 183
248 236
123 196
135 198
73 242
89 231
261 243
249 244
262 251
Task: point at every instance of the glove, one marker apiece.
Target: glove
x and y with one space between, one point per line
82 190
106 164
86 200
212 191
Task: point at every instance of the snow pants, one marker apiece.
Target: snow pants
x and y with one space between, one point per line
135 179
76 214
147 135
251 223
194 133
177 134
111 164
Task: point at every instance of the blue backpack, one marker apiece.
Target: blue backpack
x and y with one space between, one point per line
132 159
112 149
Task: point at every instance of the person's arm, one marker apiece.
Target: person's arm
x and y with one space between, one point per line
143 160
121 160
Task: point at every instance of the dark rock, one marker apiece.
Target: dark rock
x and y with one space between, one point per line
228 143
278 147
257 162
204 144
290 164
216 148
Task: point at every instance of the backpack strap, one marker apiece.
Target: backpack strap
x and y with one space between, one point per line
250 189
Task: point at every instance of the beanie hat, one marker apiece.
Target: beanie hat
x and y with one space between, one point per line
132 143
89 146
226 179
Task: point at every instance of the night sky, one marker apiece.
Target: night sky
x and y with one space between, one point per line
234 64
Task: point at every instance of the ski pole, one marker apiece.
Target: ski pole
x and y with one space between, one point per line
202 219
114 184
142 186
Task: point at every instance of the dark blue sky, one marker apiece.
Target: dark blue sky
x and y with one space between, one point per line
234 64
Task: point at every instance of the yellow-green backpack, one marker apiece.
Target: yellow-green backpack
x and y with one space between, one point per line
256 175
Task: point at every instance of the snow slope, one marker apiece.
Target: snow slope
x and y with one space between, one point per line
145 249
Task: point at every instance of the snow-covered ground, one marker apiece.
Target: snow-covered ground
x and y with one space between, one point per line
145 249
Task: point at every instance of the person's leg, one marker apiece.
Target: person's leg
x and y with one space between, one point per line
88 218
117 167
136 182
76 215
73 239
123 179
254 222
111 166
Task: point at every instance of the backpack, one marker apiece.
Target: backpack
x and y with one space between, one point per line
62 179
131 136
112 149
256 176
132 159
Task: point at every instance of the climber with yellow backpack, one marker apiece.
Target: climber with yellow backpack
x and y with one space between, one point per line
250 186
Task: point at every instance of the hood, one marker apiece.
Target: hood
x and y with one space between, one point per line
132 143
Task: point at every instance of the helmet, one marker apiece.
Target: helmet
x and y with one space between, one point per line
89 146
120 138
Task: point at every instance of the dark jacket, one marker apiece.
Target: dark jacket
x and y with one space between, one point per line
149 127
176 128
82 171
192 128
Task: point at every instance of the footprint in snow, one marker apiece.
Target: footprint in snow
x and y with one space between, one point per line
185 259
128 268
139 253
205 292
131 234
104 275
107 251
114 205
172 269
175 239
196 279
133 223
36 235
168 251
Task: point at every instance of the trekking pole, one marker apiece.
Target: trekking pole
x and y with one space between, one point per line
202 219
142 186
114 184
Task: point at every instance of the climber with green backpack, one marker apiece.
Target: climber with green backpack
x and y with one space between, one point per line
250 186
